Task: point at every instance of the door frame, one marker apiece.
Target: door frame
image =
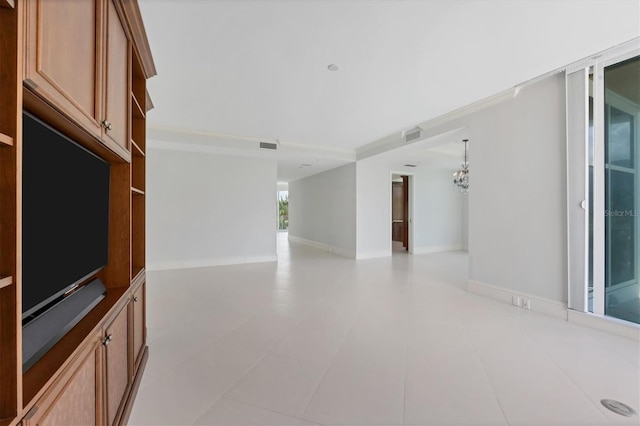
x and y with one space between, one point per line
578 211
411 202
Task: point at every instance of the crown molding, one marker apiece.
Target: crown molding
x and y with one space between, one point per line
446 123
179 139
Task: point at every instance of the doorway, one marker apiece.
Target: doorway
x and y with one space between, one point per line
400 214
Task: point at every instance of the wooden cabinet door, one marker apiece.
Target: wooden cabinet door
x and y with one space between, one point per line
75 398
139 325
63 62
117 81
117 364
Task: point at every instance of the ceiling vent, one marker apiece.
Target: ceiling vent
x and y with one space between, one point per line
412 136
268 145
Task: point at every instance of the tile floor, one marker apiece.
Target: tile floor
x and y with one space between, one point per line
322 339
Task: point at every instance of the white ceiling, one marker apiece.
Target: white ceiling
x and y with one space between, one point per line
257 70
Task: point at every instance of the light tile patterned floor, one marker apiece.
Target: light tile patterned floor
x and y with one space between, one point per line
322 339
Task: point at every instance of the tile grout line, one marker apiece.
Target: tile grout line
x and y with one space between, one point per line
484 370
244 374
406 355
267 353
566 374
251 404
315 391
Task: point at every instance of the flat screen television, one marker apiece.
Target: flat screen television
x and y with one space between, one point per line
65 215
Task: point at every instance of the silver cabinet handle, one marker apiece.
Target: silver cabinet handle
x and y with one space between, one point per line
106 124
107 340
135 298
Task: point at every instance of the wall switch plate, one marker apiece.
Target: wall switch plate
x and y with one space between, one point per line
526 303
516 301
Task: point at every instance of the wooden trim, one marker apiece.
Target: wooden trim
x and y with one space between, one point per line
136 268
11 54
6 139
137 191
133 18
6 282
138 280
137 148
138 109
45 111
133 392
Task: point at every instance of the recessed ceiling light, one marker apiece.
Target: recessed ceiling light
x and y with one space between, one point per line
333 67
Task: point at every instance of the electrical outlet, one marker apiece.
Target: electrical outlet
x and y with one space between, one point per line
526 303
516 301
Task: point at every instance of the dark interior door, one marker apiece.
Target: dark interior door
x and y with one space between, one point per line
405 216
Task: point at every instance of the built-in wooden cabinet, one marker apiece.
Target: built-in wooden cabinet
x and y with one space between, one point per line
117 80
117 377
139 327
80 66
78 60
11 60
64 62
76 397
92 389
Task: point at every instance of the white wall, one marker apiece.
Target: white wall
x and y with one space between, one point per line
373 208
438 212
322 210
517 201
205 209
465 223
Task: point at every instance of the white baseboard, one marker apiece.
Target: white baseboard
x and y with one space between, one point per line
200 263
607 324
373 254
322 246
538 304
436 249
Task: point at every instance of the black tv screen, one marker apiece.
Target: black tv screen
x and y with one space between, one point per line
65 214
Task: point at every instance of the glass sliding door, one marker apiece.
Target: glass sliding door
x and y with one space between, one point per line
621 111
603 184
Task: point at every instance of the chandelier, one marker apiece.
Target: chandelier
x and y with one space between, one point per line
461 177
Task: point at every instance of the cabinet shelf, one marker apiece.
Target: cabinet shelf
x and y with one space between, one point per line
138 111
5 139
138 150
137 191
136 270
6 281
